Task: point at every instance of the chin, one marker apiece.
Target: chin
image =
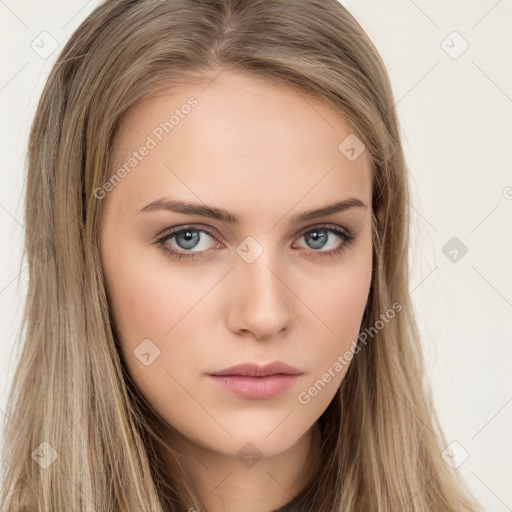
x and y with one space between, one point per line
256 442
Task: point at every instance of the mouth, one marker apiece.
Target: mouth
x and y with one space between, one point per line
256 370
250 380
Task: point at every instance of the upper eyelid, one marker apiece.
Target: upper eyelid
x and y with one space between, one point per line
176 231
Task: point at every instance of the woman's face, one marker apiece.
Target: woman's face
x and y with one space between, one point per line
253 275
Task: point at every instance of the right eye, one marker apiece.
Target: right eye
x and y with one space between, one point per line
185 239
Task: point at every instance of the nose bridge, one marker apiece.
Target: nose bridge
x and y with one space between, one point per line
260 260
264 301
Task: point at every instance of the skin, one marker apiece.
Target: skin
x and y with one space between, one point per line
266 153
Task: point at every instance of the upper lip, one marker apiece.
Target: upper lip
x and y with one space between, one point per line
256 370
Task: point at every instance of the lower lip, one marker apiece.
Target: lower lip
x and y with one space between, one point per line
256 387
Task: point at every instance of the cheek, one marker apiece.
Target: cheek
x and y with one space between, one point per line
152 318
341 292
143 292
345 300
145 305
338 306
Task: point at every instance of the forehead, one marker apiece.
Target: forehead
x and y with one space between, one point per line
238 133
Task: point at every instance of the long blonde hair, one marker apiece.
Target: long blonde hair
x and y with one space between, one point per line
71 396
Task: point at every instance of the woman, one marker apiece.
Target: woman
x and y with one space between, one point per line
221 319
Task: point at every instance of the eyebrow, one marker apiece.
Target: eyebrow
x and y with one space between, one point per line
188 208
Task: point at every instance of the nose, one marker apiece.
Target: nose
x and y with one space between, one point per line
259 298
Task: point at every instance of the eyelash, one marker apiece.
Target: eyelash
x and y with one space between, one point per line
347 239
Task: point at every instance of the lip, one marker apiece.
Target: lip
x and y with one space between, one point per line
256 370
250 380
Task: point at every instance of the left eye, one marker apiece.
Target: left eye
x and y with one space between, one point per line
318 237
187 239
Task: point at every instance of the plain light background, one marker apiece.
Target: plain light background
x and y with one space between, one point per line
449 63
